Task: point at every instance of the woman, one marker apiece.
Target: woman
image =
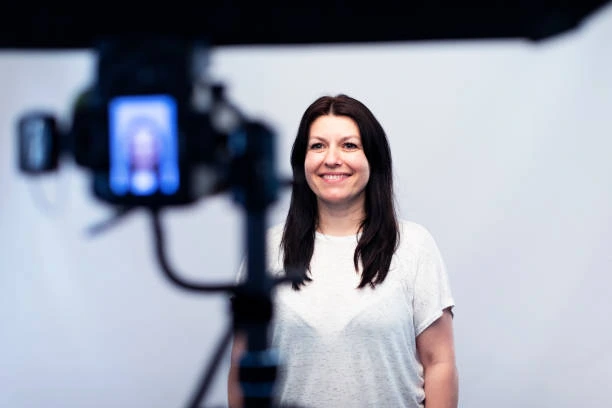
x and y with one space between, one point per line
370 322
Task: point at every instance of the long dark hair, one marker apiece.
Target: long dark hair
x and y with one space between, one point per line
379 228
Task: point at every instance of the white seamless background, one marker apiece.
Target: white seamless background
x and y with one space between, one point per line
501 149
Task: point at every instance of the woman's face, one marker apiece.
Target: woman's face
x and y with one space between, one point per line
336 168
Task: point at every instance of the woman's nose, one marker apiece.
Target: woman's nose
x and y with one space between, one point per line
333 158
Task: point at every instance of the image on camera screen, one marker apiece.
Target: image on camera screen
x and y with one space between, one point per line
143 145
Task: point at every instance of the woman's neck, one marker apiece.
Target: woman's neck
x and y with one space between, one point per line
340 221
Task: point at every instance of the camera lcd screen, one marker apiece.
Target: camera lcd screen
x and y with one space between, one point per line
143 133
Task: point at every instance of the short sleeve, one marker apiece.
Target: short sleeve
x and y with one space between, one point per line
432 291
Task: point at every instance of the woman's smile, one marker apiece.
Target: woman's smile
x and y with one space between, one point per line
335 177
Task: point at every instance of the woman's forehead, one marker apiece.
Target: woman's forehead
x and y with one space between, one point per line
333 126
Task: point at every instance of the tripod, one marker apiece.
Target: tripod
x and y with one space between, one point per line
254 185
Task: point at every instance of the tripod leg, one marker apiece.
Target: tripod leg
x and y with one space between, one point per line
204 385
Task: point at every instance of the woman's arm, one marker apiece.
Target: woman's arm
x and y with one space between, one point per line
436 350
234 392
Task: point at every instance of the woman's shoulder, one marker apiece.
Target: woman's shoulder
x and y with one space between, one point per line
274 233
414 235
275 230
274 252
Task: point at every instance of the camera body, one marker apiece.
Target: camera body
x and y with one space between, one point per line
147 130
138 130
152 131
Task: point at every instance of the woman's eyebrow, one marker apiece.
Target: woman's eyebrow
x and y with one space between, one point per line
342 139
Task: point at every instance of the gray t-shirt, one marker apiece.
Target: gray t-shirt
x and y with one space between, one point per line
346 347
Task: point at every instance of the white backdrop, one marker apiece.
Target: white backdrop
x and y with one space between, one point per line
501 149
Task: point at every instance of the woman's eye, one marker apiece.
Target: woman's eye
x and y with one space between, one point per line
316 146
350 145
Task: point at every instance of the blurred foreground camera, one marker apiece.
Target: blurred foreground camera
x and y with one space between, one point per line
151 129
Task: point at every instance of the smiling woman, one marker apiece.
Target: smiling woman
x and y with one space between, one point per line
369 321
